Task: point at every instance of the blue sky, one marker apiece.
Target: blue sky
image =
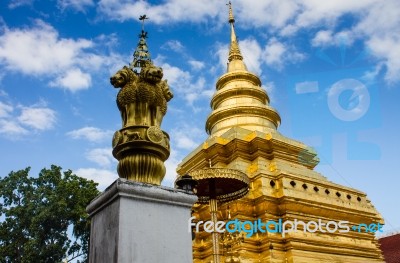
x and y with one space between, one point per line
332 70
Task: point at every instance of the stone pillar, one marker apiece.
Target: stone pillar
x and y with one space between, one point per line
140 223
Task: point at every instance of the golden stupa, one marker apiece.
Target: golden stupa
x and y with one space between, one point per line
283 184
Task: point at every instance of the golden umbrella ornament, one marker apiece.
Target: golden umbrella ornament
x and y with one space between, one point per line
219 185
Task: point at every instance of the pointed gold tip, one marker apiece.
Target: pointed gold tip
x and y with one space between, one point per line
234 51
231 18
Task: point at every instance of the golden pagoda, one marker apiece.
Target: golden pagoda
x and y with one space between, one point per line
284 187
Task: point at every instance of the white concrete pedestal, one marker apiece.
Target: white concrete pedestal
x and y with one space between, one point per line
140 223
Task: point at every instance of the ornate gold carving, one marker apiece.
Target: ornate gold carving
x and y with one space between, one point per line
132 135
165 142
142 168
252 168
233 182
233 76
141 147
154 134
261 111
255 92
117 138
143 98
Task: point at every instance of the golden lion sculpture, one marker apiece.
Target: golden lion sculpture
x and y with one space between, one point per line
143 97
140 146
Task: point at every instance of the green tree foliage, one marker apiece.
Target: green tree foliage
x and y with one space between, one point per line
43 219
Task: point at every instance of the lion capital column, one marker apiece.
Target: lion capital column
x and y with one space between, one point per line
141 147
136 216
136 220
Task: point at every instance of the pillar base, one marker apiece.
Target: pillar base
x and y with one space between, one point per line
140 223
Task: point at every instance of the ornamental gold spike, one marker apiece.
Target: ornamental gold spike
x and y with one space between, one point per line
234 51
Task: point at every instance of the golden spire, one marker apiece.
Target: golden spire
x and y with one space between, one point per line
239 100
234 52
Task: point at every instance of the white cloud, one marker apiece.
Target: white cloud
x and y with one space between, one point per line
380 26
382 20
322 38
18 3
376 24
186 138
371 75
113 62
74 79
77 5
16 121
11 128
38 118
101 176
276 54
280 14
325 38
40 51
92 134
372 21
196 65
102 156
250 12
317 13
5 109
174 45
3 93
251 52
222 51
170 165
272 13
182 82
186 143
388 50
344 38
169 11
197 90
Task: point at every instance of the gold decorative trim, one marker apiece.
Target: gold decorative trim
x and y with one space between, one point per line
254 92
154 134
237 180
238 75
263 111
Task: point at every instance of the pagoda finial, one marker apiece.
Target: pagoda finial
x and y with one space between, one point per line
141 56
231 18
143 18
234 51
